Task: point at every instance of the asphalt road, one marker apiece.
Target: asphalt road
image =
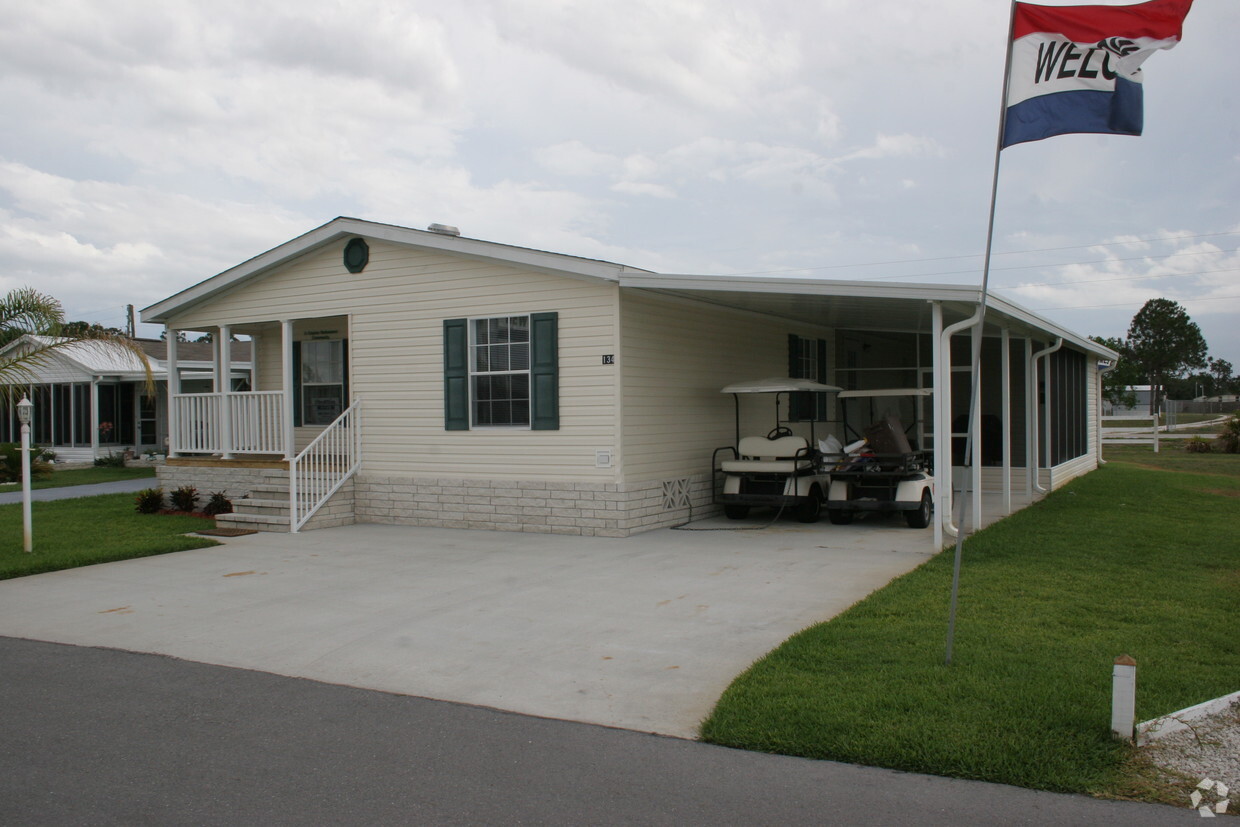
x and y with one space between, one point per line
98 736
68 492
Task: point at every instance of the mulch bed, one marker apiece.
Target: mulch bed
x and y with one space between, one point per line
227 532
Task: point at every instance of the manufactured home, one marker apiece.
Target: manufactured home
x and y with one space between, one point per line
421 377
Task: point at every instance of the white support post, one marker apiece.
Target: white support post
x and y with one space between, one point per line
1031 408
975 419
286 344
942 452
1005 377
223 356
1123 697
174 390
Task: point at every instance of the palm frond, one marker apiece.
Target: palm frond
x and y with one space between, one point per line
26 310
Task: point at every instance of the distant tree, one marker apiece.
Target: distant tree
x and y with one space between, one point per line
181 337
1220 369
88 329
1116 384
1165 344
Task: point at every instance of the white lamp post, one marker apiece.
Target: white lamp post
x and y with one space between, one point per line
23 415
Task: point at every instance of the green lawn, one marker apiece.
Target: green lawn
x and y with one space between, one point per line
88 530
83 476
1131 559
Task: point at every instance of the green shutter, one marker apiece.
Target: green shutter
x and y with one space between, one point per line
344 374
297 384
456 375
544 372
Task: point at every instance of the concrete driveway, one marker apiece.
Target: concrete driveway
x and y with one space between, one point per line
642 633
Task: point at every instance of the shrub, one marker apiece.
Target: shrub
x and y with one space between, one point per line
217 503
11 463
1229 441
110 461
1197 445
149 501
185 498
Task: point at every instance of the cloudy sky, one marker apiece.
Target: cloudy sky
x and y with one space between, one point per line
150 145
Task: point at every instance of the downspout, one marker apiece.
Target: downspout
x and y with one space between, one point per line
1037 447
1098 425
945 348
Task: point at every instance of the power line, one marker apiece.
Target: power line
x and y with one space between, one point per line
1125 304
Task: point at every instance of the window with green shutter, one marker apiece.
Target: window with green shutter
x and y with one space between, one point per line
807 359
502 372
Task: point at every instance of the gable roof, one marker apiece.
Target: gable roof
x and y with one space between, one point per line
344 227
807 299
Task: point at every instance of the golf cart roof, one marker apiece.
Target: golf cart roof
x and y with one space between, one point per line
887 392
778 385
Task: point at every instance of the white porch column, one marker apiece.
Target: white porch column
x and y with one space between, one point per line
1005 376
94 417
286 344
174 390
223 362
942 456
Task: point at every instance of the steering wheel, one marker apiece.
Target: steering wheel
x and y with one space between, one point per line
779 431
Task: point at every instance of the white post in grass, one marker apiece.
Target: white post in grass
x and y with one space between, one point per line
1124 697
23 416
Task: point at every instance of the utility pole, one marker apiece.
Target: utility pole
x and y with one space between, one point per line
129 330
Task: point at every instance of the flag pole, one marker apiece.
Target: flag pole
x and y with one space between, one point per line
975 380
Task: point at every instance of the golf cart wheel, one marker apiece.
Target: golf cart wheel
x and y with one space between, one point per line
736 512
921 517
810 510
839 516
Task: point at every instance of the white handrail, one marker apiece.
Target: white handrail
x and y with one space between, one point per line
322 467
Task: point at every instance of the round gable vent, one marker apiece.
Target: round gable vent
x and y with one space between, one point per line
356 255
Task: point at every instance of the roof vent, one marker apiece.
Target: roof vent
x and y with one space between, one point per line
444 229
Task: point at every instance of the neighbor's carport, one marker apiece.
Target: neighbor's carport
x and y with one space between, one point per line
1040 393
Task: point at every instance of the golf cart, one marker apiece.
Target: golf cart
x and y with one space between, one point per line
881 471
780 470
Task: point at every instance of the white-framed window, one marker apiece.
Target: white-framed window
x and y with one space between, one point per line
499 371
322 381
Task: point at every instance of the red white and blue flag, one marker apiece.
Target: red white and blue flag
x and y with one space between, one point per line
1078 68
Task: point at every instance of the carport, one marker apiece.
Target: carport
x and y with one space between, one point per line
1038 415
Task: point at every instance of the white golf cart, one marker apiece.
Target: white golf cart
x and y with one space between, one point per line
881 471
779 470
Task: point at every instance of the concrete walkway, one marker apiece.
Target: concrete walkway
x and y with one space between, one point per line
642 633
101 737
69 492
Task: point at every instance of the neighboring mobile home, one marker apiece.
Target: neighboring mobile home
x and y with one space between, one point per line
422 378
91 399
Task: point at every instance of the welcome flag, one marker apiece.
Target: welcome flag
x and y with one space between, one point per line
1078 68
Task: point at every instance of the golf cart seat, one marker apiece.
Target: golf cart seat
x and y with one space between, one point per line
759 455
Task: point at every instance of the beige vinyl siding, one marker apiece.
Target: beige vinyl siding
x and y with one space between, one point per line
676 357
396 309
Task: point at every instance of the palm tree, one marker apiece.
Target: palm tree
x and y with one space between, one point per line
27 311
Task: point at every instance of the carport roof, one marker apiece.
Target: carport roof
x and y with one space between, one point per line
858 305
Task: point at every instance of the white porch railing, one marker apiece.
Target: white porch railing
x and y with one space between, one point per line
197 418
257 424
254 418
324 465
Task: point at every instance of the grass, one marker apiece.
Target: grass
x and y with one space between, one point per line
89 530
1132 559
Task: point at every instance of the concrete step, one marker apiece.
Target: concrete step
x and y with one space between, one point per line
254 505
259 522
